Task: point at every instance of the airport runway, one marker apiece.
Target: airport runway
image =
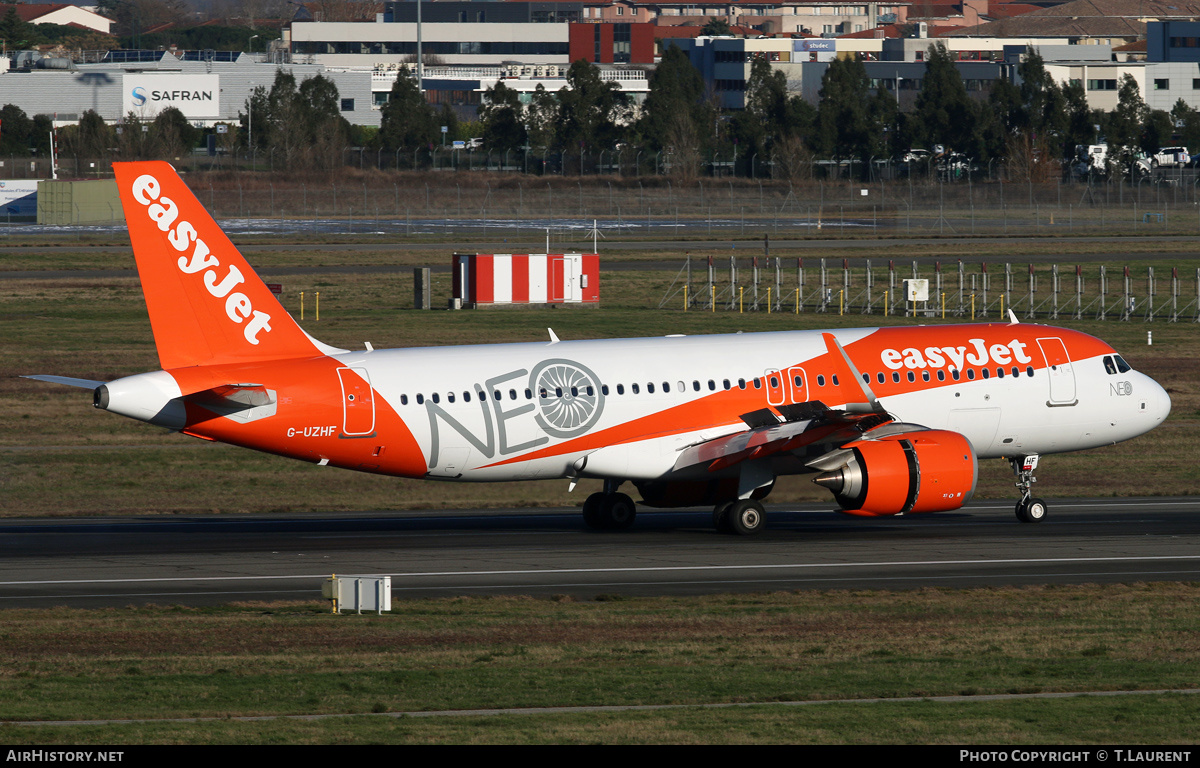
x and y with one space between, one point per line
211 560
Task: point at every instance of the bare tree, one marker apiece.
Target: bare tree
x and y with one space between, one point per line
793 159
1030 159
683 145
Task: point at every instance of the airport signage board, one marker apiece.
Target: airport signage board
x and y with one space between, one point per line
18 198
814 45
196 96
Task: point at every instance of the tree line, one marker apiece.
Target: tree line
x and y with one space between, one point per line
1030 125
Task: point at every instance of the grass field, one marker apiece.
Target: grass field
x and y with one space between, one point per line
491 653
58 456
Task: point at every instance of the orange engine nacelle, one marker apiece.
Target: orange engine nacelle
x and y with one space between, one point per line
930 470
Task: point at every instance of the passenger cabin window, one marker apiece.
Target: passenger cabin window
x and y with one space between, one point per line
820 380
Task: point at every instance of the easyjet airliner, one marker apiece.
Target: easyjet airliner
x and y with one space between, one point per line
893 421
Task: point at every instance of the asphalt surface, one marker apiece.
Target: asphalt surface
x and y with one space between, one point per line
207 560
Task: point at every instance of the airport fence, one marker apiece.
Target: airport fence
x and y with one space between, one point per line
987 202
958 289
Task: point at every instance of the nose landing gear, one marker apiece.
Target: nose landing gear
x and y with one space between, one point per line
1029 509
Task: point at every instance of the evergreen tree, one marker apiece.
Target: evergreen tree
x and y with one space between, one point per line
762 121
1043 106
502 118
16 130
1184 116
408 121
676 96
588 110
944 113
1124 124
172 135
541 117
844 129
1157 130
1079 126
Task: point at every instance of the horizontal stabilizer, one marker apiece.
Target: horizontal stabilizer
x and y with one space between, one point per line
81 383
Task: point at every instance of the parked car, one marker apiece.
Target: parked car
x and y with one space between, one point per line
1170 157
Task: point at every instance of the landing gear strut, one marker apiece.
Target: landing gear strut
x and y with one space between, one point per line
1029 509
609 510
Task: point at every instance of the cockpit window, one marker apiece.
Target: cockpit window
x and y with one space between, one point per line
1114 364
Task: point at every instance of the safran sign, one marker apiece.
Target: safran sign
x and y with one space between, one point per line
196 96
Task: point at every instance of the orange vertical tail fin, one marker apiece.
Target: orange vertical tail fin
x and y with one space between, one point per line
207 306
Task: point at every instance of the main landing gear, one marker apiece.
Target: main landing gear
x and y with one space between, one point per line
609 510
743 517
1029 509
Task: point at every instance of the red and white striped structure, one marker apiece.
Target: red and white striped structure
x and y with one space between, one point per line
526 278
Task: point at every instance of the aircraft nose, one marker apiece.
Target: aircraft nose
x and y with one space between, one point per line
1156 403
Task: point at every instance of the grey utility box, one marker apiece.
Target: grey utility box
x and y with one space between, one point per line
358 593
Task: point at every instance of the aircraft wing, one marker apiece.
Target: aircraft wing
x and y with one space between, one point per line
777 430
789 427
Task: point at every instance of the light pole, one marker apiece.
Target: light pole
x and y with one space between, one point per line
251 42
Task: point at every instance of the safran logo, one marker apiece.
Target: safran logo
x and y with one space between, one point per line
139 96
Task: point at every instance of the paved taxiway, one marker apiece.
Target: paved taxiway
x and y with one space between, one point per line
205 560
